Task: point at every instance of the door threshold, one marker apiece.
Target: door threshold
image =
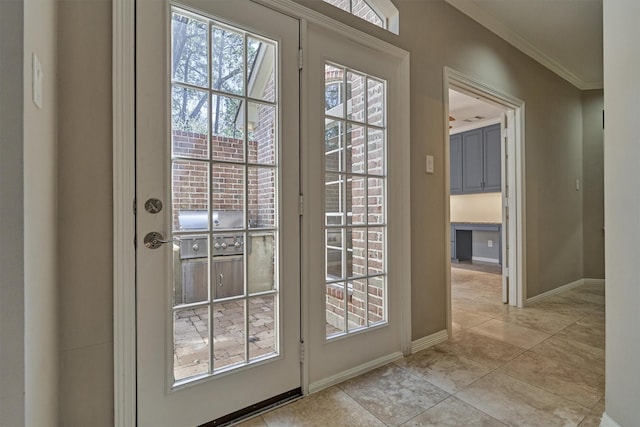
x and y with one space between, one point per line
256 409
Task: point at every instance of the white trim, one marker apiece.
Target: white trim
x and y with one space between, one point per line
555 291
476 13
354 372
487 260
124 293
475 125
607 421
296 10
404 139
473 87
429 341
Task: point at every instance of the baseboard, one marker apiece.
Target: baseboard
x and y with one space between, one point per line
486 260
555 291
607 421
594 282
429 341
354 372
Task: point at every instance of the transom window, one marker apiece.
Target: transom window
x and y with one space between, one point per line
378 12
355 200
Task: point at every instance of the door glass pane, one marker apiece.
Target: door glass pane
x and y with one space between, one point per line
227 128
224 201
375 102
375 201
261 256
262 325
333 203
359 249
375 152
355 148
191 342
261 62
334 254
376 299
228 334
333 135
356 197
227 195
334 91
262 197
227 57
356 90
355 200
227 270
261 126
191 269
375 251
356 307
334 303
190 187
189 122
189 58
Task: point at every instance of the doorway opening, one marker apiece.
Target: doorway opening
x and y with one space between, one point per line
484 203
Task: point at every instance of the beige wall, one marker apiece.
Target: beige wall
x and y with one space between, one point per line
85 213
12 360
593 183
40 217
436 35
482 207
622 210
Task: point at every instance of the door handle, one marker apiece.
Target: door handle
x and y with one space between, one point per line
154 240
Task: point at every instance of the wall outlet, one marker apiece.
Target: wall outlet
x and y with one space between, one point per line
490 243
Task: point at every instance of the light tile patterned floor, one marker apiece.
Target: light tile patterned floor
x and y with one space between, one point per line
538 366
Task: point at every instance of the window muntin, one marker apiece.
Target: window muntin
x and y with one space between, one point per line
224 130
354 201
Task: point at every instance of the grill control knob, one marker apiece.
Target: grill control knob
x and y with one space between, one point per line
216 245
223 245
237 244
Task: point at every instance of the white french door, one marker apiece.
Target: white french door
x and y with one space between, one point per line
356 245
218 232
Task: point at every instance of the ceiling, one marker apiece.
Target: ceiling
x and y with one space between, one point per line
469 112
563 35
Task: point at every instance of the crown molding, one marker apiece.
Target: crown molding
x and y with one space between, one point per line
476 13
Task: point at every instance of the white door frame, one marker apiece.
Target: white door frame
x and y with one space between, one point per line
516 164
124 273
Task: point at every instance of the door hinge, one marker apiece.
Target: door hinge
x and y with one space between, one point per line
135 209
301 205
301 352
300 59
505 271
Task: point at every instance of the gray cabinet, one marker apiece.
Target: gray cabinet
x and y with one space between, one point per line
472 161
475 161
492 158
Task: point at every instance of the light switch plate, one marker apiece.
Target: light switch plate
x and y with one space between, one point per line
37 78
429 164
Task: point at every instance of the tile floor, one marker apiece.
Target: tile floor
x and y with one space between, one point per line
538 366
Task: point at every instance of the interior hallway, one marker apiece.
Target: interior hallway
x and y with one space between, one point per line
538 366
